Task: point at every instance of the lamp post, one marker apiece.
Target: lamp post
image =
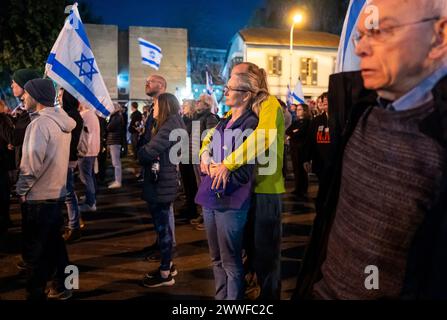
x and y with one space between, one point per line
296 19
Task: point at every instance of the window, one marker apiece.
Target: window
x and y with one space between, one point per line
309 71
236 61
275 65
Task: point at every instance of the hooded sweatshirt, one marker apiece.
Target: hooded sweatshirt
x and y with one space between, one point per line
46 151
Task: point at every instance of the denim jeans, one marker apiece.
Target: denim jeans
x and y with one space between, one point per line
225 230
160 217
71 201
44 248
267 244
87 176
115 153
172 224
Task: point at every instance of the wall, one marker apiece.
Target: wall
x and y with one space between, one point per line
104 43
174 45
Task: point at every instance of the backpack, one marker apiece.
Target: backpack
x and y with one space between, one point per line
83 142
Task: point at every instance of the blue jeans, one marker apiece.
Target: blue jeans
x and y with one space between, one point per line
160 217
87 176
172 224
71 200
225 230
115 153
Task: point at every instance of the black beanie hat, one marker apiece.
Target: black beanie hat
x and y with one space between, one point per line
42 90
22 76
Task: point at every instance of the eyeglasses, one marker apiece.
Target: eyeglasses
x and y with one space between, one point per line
152 81
228 89
383 34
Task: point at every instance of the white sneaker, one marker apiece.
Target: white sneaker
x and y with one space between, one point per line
86 208
114 185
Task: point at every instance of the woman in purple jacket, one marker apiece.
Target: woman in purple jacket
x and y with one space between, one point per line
225 210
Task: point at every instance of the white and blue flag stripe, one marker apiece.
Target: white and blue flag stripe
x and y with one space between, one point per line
72 65
298 94
150 53
209 84
347 60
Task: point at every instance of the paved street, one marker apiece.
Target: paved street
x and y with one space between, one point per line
110 258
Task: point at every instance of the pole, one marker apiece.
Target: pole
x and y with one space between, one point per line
291 54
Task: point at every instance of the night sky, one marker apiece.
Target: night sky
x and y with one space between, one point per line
210 23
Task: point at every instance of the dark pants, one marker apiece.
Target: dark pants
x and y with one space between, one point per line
267 244
190 188
300 175
134 140
160 217
44 248
4 200
102 165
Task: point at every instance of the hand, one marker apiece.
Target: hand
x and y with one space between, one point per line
22 199
10 147
221 177
213 169
205 161
307 166
296 130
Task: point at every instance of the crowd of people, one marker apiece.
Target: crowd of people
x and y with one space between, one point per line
376 142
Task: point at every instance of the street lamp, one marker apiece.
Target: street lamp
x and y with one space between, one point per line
298 18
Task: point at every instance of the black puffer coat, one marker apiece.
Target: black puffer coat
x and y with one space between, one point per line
164 190
115 129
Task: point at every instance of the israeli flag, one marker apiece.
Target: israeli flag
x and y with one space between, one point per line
289 97
209 84
347 60
298 94
72 65
150 53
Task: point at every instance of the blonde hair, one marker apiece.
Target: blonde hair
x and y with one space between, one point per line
252 82
192 107
259 73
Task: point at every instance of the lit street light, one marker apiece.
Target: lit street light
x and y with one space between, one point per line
298 18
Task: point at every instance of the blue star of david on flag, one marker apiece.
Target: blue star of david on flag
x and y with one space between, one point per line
90 62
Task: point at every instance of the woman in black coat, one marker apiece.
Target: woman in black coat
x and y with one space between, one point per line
114 142
297 132
161 182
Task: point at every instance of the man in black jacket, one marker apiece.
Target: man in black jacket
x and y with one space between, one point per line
381 230
135 119
20 115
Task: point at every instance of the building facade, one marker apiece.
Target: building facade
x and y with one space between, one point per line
313 58
118 56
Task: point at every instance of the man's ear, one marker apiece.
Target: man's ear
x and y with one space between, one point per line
439 49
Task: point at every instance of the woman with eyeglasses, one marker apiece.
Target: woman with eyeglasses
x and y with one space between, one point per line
160 183
225 209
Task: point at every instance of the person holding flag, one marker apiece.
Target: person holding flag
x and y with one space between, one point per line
72 65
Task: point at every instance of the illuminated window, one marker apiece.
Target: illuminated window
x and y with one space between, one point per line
309 71
275 65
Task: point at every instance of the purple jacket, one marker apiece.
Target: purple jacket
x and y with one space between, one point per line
237 193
